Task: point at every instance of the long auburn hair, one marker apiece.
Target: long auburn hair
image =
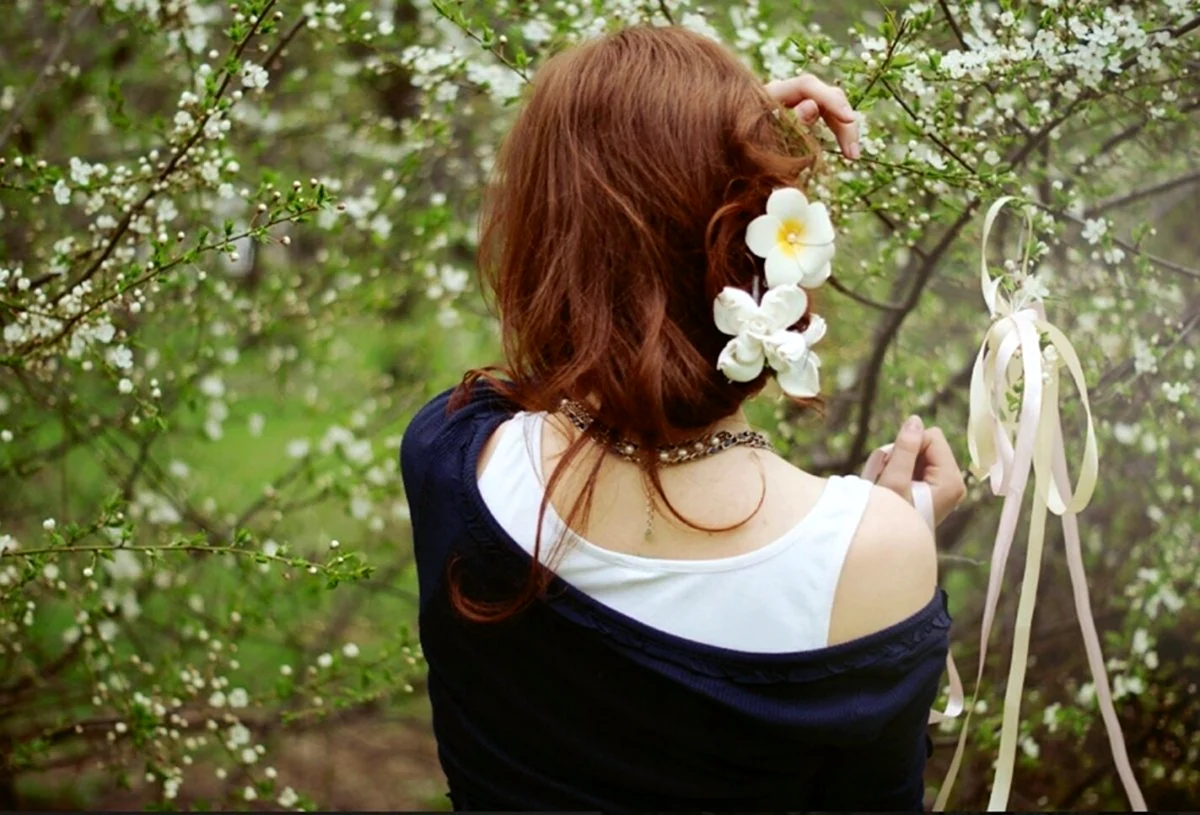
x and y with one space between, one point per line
616 215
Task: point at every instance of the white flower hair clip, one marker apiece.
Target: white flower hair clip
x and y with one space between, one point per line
796 239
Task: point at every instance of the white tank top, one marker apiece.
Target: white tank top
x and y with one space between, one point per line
775 599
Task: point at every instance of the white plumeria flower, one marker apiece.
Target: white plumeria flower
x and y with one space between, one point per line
796 239
797 368
754 325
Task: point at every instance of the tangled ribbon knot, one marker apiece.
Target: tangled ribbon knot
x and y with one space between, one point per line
1023 352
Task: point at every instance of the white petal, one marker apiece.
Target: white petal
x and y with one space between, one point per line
741 359
815 331
803 379
818 227
763 234
732 308
784 348
787 203
811 281
812 261
783 306
782 268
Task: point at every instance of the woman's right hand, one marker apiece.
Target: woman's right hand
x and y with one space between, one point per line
811 99
919 454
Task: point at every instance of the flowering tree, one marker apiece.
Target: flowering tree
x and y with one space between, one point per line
235 254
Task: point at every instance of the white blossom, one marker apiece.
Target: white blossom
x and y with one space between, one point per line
1094 229
254 76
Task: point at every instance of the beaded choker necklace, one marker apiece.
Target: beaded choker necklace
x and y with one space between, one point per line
690 450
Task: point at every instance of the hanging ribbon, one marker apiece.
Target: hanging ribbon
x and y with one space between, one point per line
1022 348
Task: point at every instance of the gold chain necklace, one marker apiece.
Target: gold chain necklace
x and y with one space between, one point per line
690 450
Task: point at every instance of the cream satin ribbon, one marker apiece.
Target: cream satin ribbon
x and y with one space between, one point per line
1012 354
922 498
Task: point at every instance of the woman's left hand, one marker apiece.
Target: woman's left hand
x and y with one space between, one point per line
811 99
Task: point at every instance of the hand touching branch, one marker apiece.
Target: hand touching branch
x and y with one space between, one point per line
811 99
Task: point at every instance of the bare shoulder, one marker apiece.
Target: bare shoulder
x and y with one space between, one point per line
890 572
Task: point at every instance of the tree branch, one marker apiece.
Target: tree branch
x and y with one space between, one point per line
136 209
890 326
947 149
838 286
285 39
36 87
1162 263
1142 192
958 32
666 11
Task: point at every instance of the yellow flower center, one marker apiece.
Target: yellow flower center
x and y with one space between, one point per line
791 234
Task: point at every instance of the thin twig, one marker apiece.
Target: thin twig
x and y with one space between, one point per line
1154 260
838 286
931 136
666 10
1142 192
108 547
890 327
889 223
958 32
134 211
285 39
1106 388
157 271
963 559
883 66
36 87
1114 141
466 29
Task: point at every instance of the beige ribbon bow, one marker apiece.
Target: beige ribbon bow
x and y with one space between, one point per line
1022 349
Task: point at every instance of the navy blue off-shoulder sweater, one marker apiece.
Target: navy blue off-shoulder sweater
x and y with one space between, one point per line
573 706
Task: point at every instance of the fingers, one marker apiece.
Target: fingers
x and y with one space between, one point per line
874 465
936 452
941 470
831 104
808 111
846 135
897 474
830 99
919 455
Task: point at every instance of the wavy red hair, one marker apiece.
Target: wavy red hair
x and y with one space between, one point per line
616 215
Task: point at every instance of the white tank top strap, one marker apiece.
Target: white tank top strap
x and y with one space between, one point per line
836 515
511 483
509 452
818 556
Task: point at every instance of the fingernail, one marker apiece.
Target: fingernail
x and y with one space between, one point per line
913 425
847 112
853 151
